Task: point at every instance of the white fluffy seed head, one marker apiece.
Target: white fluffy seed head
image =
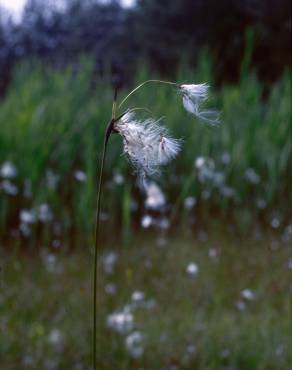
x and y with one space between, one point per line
168 148
147 144
193 96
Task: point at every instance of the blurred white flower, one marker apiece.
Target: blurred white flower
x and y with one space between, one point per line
213 253
8 187
133 344
287 234
190 202
8 170
50 262
108 261
146 221
55 336
147 144
137 296
45 213
191 348
193 96
248 294
118 178
275 222
155 198
251 176
192 269
27 216
80 176
218 179
121 321
205 167
52 179
200 162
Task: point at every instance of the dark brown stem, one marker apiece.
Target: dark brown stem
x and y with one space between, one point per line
108 132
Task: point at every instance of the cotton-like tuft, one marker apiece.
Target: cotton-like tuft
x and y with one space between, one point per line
193 97
147 144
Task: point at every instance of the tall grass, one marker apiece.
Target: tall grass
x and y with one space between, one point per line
54 120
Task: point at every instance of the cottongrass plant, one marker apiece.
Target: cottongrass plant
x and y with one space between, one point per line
148 146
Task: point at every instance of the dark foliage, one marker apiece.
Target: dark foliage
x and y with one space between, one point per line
164 32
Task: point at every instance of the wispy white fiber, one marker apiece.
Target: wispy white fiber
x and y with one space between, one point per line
147 144
193 97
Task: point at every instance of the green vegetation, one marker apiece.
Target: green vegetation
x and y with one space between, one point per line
186 302
52 122
232 310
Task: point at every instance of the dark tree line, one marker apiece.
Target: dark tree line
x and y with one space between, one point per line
160 32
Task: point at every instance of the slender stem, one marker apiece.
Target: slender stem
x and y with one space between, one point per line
142 84
108 132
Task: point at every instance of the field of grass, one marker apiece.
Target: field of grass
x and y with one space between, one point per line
176 303
202 282
51 127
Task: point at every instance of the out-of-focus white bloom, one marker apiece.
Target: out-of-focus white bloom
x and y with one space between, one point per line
24 229
275 222
147 145
205 167
80 176
146 221
191 348
193 96
52 179
8 170
155 198
251 176
108 261
45 213
248 294
287 235
27 216
213 253
8 187
121 321
192 269
133 344
190 202
137 296
218 179
118 178
55 337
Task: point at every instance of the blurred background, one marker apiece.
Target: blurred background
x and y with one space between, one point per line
194 274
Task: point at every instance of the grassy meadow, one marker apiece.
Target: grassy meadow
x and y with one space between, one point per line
52 123
213 304
204 283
